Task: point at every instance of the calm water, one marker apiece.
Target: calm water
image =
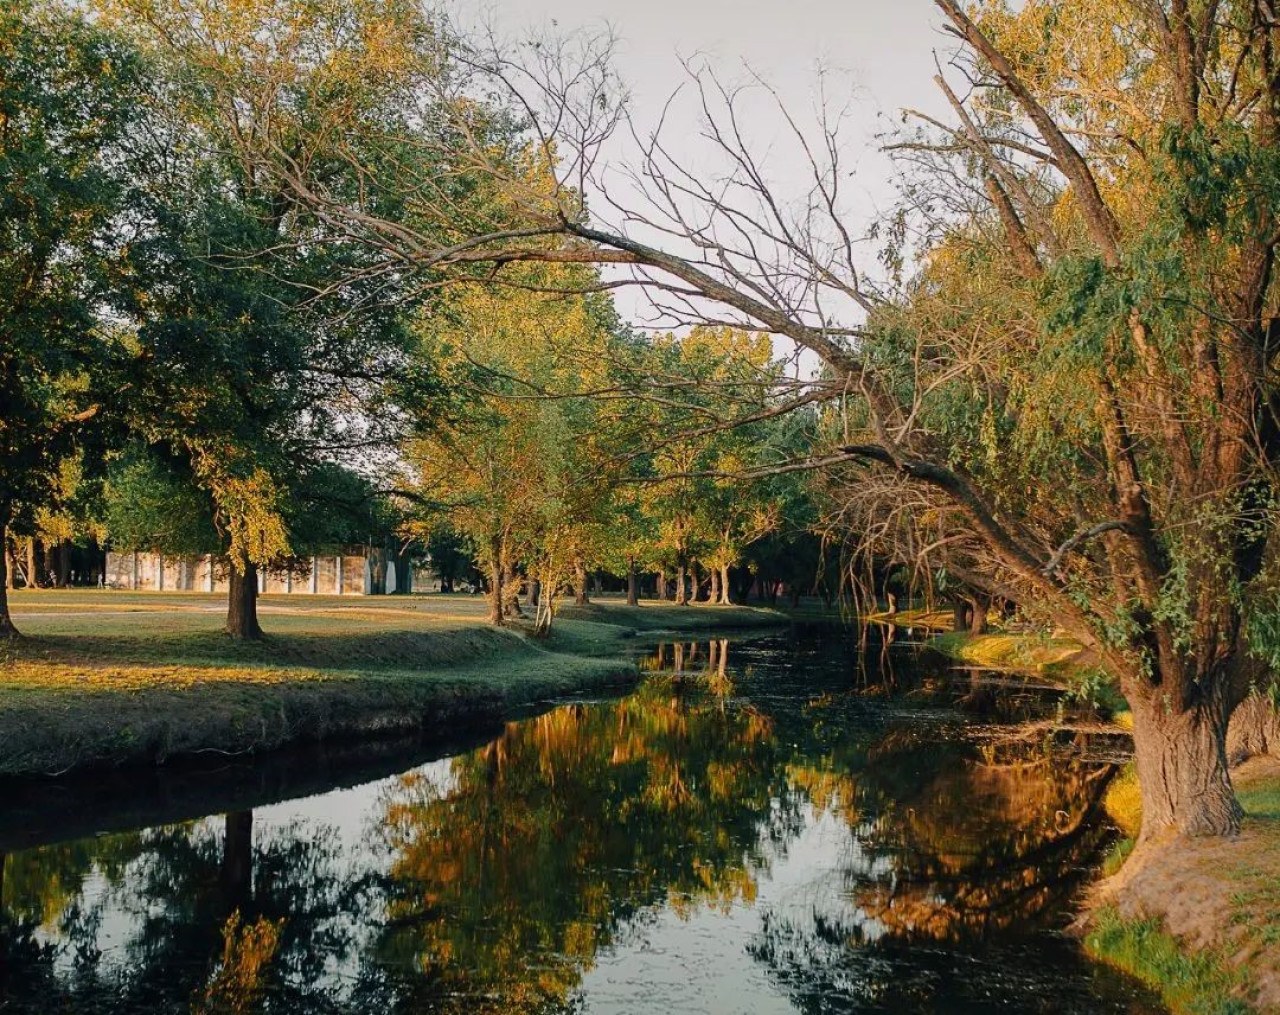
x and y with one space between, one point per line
773 829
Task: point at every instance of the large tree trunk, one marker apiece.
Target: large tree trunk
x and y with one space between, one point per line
682 593
662 586
726 590
1181 759
695 584
7 630
580 596
242 601
713 593
633 585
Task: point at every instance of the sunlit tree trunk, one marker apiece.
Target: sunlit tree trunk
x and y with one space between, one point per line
682 591
7 630
662 585
580 596
63 566
242 601
496 615
695 584
1181 759
726 589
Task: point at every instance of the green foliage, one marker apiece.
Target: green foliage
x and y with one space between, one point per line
67 102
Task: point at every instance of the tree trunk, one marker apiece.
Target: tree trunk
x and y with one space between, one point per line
33 572
580 596
64 564
695 584
713 593
633 585
682 593
1181 759
535 593
960 615
726 591
7 630
10 566
662 586
1254 729
242 601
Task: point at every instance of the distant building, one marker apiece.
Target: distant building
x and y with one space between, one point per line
363 573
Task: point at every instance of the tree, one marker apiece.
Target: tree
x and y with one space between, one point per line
66 104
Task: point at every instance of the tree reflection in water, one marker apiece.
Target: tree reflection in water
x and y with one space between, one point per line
496 881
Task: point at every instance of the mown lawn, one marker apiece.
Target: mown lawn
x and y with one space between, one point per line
107 677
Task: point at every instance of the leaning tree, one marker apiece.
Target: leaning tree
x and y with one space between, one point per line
1074 374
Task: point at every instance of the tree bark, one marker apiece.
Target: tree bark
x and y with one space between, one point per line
960 611
1181 759
726 589
535 593
633 585
662 586
242 601
1254 729
580 596
695 584
7 630
682 593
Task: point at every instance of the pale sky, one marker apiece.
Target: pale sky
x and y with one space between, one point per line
878 53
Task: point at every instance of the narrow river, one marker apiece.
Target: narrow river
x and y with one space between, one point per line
774 825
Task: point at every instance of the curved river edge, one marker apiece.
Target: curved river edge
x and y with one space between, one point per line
67 713
1198 919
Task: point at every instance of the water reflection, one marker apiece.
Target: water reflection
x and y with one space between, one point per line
522 875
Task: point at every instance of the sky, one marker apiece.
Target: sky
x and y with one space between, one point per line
878 56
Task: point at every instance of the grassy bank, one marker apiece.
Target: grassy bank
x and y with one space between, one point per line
115 678
1199 920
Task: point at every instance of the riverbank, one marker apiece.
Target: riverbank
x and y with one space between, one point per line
1198 920
111 678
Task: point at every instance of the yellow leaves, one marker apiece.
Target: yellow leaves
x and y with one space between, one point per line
247 951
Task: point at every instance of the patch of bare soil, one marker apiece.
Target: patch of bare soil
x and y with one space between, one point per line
1214 893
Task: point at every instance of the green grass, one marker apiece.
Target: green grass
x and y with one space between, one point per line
1194 984
117 677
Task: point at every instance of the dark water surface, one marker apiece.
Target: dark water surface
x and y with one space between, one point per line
773 829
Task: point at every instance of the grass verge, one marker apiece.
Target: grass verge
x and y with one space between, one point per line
1197 984
111 679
